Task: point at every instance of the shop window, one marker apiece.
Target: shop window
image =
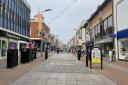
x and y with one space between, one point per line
4 48
124 49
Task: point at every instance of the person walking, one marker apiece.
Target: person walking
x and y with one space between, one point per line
110 55
113 55
79 54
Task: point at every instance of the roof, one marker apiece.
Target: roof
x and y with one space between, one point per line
99 8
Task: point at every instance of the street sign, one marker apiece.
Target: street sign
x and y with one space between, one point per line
112 35
96 57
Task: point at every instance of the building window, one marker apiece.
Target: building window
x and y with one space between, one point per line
110 22
93 34
105 25
110 25
98 30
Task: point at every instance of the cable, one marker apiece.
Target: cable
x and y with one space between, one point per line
64 10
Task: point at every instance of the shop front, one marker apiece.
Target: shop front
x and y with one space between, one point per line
3 47
9 41
105 44
122 37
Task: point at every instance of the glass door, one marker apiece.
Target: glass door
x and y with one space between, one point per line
0 48
3 48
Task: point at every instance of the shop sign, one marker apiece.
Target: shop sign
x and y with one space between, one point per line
112 35
96 57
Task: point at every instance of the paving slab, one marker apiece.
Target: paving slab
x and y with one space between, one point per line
63 69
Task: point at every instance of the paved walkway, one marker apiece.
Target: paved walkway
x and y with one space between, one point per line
62 69
117 70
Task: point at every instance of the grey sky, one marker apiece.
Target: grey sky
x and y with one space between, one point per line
65 24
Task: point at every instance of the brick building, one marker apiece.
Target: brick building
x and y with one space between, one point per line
39 33
101 27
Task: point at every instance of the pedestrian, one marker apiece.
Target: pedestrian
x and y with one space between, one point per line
57 50
79 54
110 55
113 55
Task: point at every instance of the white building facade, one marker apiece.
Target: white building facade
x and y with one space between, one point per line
121 28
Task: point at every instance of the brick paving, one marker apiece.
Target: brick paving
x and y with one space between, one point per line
7 76
117 70
62 69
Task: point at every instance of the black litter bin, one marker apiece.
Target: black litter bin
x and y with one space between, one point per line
79 54
12 58
27 55
24 55
31 54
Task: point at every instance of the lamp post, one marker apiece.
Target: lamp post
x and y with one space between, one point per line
88 38
42 32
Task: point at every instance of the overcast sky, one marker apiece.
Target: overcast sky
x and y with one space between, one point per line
64 25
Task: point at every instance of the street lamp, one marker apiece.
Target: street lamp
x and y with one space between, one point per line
42 32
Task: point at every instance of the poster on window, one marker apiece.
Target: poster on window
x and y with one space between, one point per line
96 56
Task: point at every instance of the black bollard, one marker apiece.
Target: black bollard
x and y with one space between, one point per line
86 60
79 54
46 55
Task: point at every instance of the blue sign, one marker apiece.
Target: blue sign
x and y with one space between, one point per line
122 34
113 35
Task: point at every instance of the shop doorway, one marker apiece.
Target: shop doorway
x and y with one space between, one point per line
3 48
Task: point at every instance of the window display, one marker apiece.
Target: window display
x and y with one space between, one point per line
124 49
4 48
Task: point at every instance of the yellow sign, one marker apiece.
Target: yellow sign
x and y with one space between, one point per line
96 60
96 56
40 23
80 42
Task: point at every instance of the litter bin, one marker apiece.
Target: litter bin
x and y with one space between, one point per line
12 58
79 54
24 55
30 54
